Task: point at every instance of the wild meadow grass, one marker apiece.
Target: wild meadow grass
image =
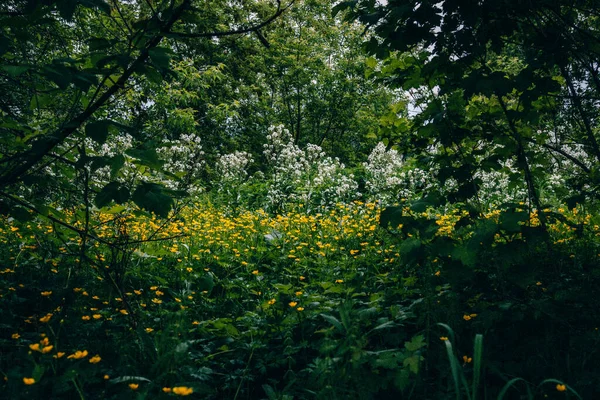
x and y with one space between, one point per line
239 304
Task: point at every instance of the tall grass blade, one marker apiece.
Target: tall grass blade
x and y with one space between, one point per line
510 384
569 388
453 367
477 364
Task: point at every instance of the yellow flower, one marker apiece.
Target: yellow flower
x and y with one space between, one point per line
467 317
293 303
97 316
59 354
35 347
15 336
95 360
302 278
438 273
157 301
28 381
166 389
300 308
47 349
133 386
561 388
78 354
148 330
467 359
153 288
255 272
183 391
137 292
46 294
124 312
271 302
106 377
46 318
86 318
339 281
443 338
299 293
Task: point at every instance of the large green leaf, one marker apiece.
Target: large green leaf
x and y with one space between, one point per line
112 191
154 198
98 130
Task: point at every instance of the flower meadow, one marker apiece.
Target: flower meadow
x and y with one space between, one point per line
358 301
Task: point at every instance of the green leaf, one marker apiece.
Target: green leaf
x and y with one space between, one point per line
391 216
147 157
152 197
112 191
511 221
411 249
21 214
116 163
161 57
14 70
415 343
333 321
413 363
98 131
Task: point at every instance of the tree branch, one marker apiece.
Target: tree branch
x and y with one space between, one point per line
280 10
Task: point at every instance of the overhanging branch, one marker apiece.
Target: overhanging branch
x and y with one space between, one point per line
254 28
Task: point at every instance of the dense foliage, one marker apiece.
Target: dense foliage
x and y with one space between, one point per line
299 199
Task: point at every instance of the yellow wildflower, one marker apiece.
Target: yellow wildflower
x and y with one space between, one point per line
561 388
28 381
133 386
95 360
183 391
78 354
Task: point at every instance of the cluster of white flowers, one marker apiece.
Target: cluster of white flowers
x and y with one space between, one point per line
231 168
116 146
305 175
388 179
496 189
183 158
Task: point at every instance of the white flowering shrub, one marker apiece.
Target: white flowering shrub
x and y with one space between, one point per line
306 176
183 158
388 178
